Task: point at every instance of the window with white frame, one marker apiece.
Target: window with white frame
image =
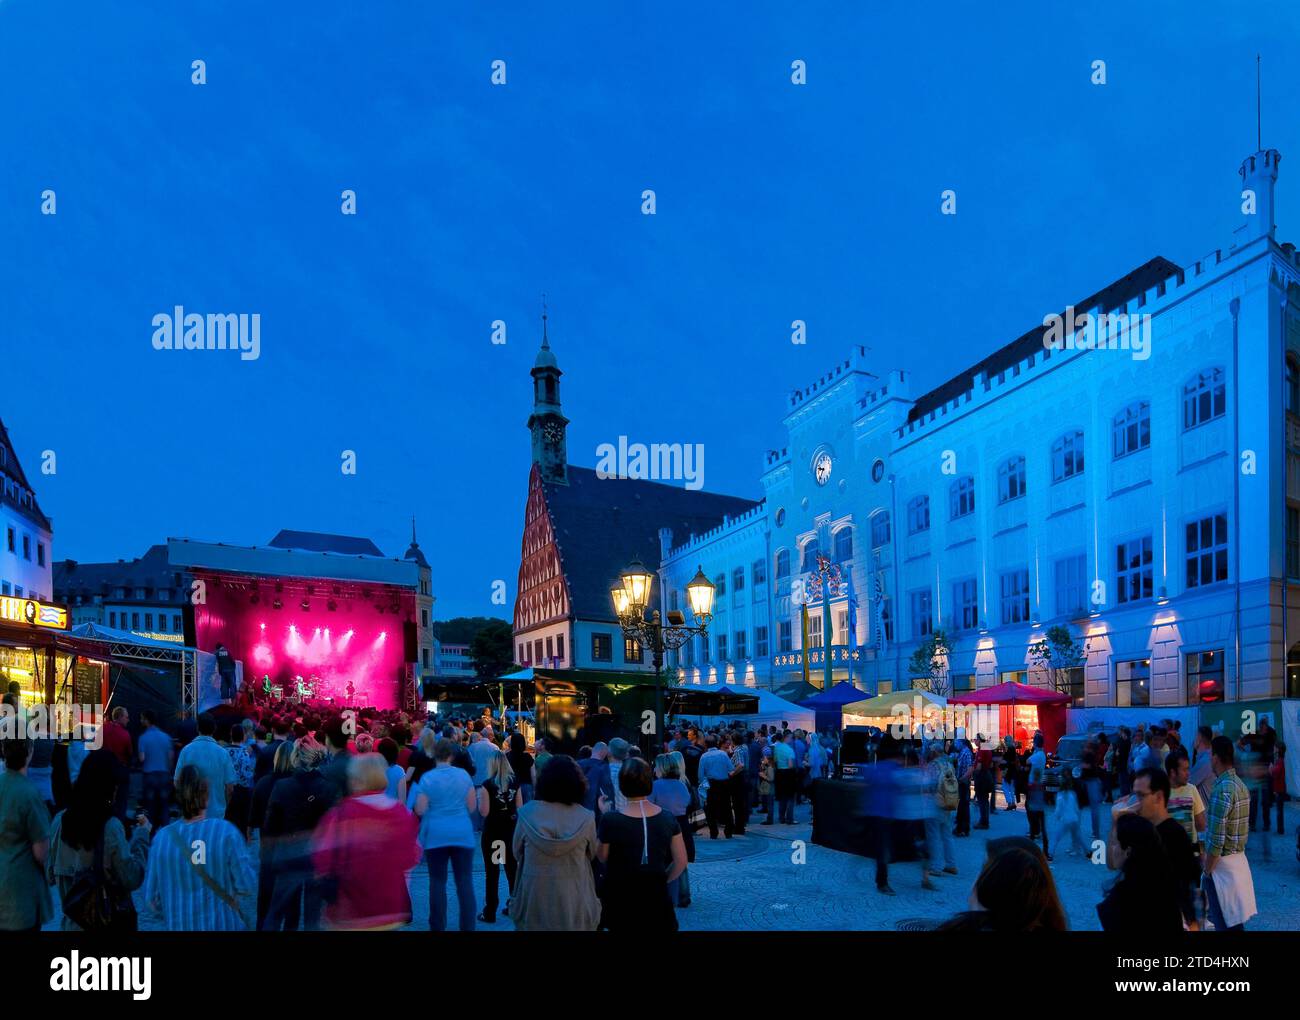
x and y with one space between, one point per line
1067 456
810 552
1204 398
961 497
782 563
1207 551
1133 573
1131 429
1071 583
922 619
843 545
1011 479
880 529
965 605
1015 596
918 515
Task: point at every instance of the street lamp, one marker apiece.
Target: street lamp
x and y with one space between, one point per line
631 599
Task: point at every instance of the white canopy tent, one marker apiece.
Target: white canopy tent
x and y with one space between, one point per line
771 708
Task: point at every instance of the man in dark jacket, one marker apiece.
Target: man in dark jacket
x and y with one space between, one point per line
295 806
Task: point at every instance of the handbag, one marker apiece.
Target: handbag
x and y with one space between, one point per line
695 816
91 904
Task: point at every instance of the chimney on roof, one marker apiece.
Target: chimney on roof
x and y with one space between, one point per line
1258 184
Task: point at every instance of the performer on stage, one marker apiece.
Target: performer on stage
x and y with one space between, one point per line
304 692
266 686
351 691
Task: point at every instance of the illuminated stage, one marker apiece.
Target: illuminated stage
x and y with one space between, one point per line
329 633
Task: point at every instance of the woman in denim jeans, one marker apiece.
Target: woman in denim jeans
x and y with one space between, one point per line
443 802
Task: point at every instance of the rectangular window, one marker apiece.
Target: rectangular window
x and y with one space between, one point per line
176 623
760 642
965 607
1204 398
1011 480
425 656
722 648
1133 570
40 553
602 648
740 646
1071 577
922 621
10 539
1015 597
704 650
550 649
148 622
963 682
537 652
880 529
519 650
162 623
559 646
1133 683
1067 457
1207 551
1131 429
1204 677
738 579
688 653
759 572
1012 676
784 637
961 497
719 585
27 547
112 617
632 651
135 621
918 515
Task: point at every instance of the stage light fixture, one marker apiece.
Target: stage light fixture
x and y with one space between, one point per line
305 605
263 626
277 604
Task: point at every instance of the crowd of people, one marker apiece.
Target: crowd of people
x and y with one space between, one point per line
279 817
1173 823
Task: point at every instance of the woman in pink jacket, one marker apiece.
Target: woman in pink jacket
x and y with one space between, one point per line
363 848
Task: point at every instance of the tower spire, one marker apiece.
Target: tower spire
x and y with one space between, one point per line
546 344
1259 134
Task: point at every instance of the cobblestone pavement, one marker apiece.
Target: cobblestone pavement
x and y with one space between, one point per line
754 883
773 879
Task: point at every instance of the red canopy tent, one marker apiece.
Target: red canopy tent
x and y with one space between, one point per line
1050 704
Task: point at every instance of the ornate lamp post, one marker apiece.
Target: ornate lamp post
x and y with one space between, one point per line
632 599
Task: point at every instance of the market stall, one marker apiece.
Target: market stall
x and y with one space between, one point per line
902 713
829 705
1022 711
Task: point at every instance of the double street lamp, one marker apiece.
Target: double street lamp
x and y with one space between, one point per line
631 600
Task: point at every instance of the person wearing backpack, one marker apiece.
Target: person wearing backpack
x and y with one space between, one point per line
941 785
91 860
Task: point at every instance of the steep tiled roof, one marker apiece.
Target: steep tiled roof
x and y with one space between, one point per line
152 570
1107 299
601 524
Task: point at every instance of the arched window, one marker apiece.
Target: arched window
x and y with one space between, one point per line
918 515
1204 398
1131 429
880 529
843 545
782 563
810 551
961 497
1067 456
1011 479
1292 385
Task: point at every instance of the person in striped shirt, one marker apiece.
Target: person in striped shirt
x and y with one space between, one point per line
200 877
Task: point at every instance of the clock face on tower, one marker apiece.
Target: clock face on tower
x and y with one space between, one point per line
822 468
553 431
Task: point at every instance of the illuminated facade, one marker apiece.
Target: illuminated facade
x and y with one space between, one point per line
1137 485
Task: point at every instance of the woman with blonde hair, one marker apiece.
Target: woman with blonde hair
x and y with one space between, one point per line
672 792
501 787
363 849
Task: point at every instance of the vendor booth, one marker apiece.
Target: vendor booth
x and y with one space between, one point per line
1022 711
902 713
767 708
49 664
829 705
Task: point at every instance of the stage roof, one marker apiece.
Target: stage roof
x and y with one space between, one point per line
266 561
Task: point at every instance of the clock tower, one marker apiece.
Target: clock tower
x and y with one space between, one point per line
547 423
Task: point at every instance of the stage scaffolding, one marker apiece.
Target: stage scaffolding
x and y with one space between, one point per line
120 648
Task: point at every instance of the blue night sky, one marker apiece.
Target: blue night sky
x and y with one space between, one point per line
775 203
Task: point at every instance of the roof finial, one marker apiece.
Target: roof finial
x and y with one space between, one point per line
413 541
546 345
